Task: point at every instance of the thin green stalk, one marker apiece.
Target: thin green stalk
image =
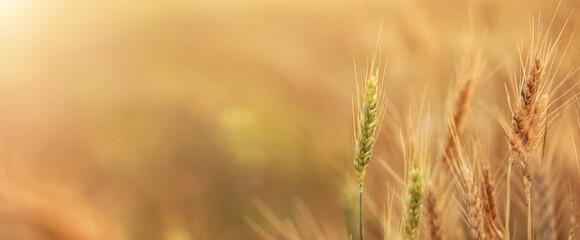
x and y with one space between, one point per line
360 204
508 203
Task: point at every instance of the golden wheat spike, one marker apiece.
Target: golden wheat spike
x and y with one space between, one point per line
432 214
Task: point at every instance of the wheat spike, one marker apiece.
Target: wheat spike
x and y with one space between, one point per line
523 114
543 207
472 197
414 203
523 123
461 108
490 206
370 113
470 189
432 215
537 121
489 190
367 125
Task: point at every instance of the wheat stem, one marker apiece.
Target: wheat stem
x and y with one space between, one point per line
360 205
508 201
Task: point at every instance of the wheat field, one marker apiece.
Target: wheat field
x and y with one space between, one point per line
182 120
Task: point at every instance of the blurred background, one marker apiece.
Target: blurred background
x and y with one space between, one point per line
185 120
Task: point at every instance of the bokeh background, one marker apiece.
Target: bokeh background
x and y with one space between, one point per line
185 120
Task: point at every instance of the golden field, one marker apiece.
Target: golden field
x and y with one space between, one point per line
182 120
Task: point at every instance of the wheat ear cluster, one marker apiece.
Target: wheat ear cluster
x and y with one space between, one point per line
461 108
525 106
474 205
544 211
366 130
534 135
433 216
414 203
367 124
526 124
525 119
489 190
490 206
